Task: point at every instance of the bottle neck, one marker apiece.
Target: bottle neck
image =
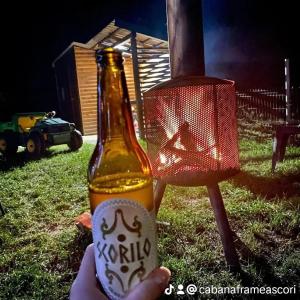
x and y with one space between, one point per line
115 120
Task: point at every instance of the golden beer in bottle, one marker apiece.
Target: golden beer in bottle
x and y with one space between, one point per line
120 187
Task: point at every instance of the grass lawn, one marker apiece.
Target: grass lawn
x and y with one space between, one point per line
41 248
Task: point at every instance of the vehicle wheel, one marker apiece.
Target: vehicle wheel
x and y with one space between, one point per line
8 146
76 140
34 146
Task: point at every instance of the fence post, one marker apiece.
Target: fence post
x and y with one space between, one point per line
288 103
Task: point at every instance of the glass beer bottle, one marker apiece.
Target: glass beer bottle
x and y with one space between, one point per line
120 187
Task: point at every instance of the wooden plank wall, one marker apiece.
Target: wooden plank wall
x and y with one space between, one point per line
128 68
86 69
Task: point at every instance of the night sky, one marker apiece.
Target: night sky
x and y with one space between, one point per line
245 40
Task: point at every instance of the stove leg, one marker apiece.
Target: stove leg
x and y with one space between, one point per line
284 141
224 227
159 193
2 210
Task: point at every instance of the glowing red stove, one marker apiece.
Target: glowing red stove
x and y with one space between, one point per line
191 130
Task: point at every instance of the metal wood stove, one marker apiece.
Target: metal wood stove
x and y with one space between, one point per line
190 120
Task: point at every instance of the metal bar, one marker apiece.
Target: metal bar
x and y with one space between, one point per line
288 101
159 193
223 227
275 153
137 84
216 126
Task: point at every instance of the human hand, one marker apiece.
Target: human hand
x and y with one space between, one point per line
85 286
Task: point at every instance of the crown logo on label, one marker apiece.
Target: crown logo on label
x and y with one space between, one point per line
136 225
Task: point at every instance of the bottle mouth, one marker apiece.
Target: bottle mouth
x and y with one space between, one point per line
109 56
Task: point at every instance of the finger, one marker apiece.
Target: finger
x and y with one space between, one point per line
152 287
87 271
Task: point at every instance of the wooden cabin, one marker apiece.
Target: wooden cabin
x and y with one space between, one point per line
146 63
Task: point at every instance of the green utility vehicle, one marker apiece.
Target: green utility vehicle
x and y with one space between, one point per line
36 132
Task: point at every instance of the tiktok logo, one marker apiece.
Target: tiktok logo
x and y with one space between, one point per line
169 290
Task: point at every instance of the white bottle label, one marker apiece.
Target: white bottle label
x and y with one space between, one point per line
124 237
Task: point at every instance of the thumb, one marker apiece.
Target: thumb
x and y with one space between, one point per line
87 270
152 286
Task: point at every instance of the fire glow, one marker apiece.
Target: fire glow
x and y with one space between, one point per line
201 142
190 128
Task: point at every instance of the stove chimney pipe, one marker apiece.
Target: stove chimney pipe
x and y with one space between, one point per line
185 32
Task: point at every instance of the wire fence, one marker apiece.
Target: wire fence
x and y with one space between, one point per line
269 104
